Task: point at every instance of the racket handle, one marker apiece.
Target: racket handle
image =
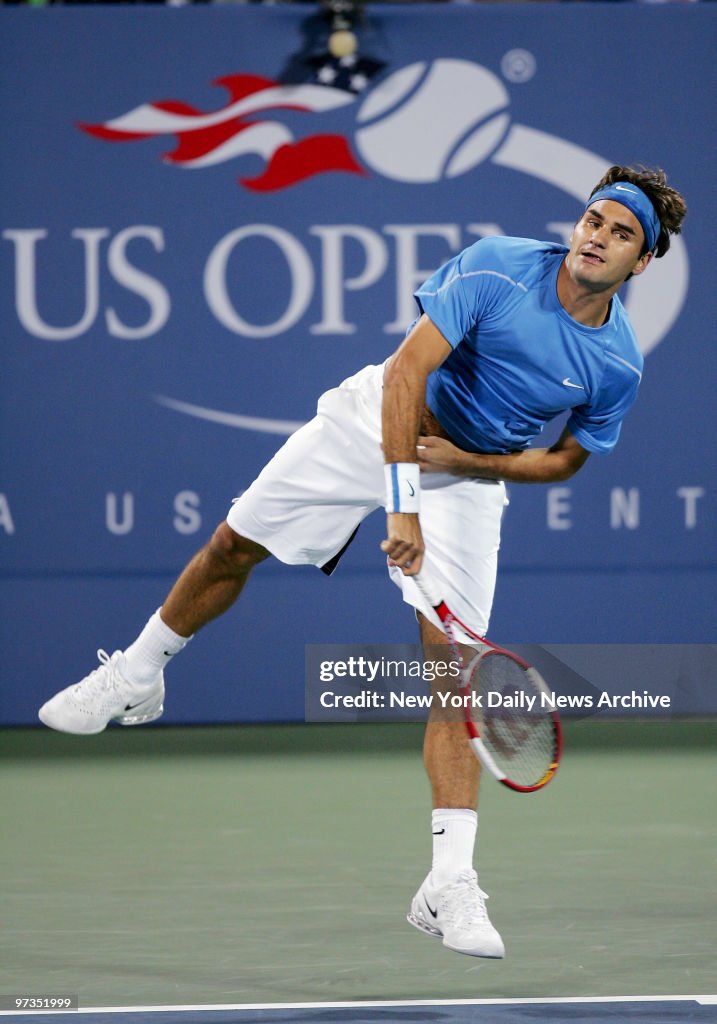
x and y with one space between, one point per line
428 590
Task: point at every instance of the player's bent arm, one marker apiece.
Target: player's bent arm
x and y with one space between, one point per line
532 466
404 388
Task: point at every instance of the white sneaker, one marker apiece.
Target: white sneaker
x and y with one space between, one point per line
86 707
456 913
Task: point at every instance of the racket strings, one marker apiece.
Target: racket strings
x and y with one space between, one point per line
513 723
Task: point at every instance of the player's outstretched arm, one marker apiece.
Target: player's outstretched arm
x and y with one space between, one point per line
404 397
532 466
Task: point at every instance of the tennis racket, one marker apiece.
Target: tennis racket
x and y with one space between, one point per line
512 727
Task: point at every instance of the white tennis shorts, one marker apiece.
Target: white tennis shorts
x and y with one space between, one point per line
309 499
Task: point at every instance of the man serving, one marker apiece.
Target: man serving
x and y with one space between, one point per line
510 333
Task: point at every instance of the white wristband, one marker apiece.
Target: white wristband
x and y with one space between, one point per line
403 486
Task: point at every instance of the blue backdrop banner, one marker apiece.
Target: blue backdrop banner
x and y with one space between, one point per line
207 221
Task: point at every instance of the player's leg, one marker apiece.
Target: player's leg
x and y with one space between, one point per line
461 527
450 905
208 587
129 686
303 508
452 768
212 581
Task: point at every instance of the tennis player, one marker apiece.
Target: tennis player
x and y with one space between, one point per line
510 333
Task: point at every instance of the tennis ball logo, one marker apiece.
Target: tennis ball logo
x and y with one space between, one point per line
432 121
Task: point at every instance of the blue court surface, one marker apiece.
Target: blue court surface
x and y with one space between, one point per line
619 1010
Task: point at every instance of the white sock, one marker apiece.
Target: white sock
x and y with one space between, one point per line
454 835
151 651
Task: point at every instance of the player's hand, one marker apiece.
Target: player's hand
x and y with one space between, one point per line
437 455
404 544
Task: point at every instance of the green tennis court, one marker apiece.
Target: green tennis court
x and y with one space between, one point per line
275 864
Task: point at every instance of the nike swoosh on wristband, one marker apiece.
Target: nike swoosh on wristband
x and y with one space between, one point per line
411 487
439 833
569 384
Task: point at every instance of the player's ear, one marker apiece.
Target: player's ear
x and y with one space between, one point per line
642 263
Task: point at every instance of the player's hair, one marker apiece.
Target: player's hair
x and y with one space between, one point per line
669 205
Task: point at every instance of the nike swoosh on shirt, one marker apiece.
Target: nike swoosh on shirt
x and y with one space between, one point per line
569 384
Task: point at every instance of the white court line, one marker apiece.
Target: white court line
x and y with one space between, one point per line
702 1000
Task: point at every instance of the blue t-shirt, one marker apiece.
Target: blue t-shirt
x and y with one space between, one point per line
518 358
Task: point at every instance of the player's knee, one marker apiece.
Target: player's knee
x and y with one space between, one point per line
239 553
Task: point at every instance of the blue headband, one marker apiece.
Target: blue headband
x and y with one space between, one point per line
637 202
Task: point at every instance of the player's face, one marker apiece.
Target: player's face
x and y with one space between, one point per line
605 246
